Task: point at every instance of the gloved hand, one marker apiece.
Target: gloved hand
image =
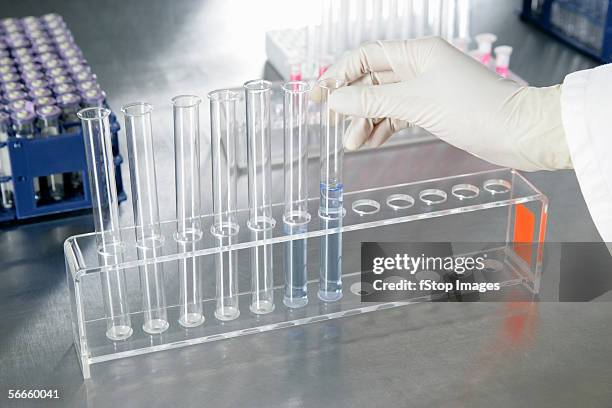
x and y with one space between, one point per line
429 83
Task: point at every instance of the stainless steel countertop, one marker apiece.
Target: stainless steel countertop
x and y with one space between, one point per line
447 355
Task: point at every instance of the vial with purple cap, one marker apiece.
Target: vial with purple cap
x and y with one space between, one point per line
15 96
44 101
40 92
70 104
9 77
23 124
36 83
87 85
64 89
48 125
21 104
6 61
93 97
29 76
84 77
6 186
11 86
7 69
48 120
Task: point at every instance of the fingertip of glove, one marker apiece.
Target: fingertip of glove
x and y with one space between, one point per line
345 101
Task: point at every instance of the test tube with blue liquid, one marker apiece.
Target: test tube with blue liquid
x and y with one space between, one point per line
296 216
331 209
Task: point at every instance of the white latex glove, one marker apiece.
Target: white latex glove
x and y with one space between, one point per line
429 83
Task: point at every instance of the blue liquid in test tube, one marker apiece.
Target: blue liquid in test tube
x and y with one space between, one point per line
331 210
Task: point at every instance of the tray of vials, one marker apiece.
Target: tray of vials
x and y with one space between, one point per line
44 81
585 25
155 285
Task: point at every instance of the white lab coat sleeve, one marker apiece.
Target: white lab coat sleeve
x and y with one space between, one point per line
586 105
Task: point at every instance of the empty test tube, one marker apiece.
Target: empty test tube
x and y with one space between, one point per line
502 60
258 95
186 111
224 131
101 166
485 46
6 188
331 209
149 240
295 215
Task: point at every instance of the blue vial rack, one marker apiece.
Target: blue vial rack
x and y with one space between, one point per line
583 25
43 156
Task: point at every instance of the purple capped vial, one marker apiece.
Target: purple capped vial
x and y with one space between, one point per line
43 48
6 69
40 39
44 101
9 77
84 77
30 21
6 61
64 89
29 76
12 86
18 42
23 124
45 18
57 71
5 122
56 28
6 189
29 66
75 61
93 98
4 53
15 95
25 58
13 30
37 83
77 69
61 79
87 85
52 63
47 56
70 104
48 120
40 92
20 52
21 104
71 53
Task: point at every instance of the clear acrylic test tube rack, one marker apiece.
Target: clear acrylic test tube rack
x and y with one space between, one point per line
500 207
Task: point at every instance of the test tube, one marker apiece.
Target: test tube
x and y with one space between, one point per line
149 240
485 45
224 131
186 109
296 216
101 166
258 95
502 60
6 188
331 209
